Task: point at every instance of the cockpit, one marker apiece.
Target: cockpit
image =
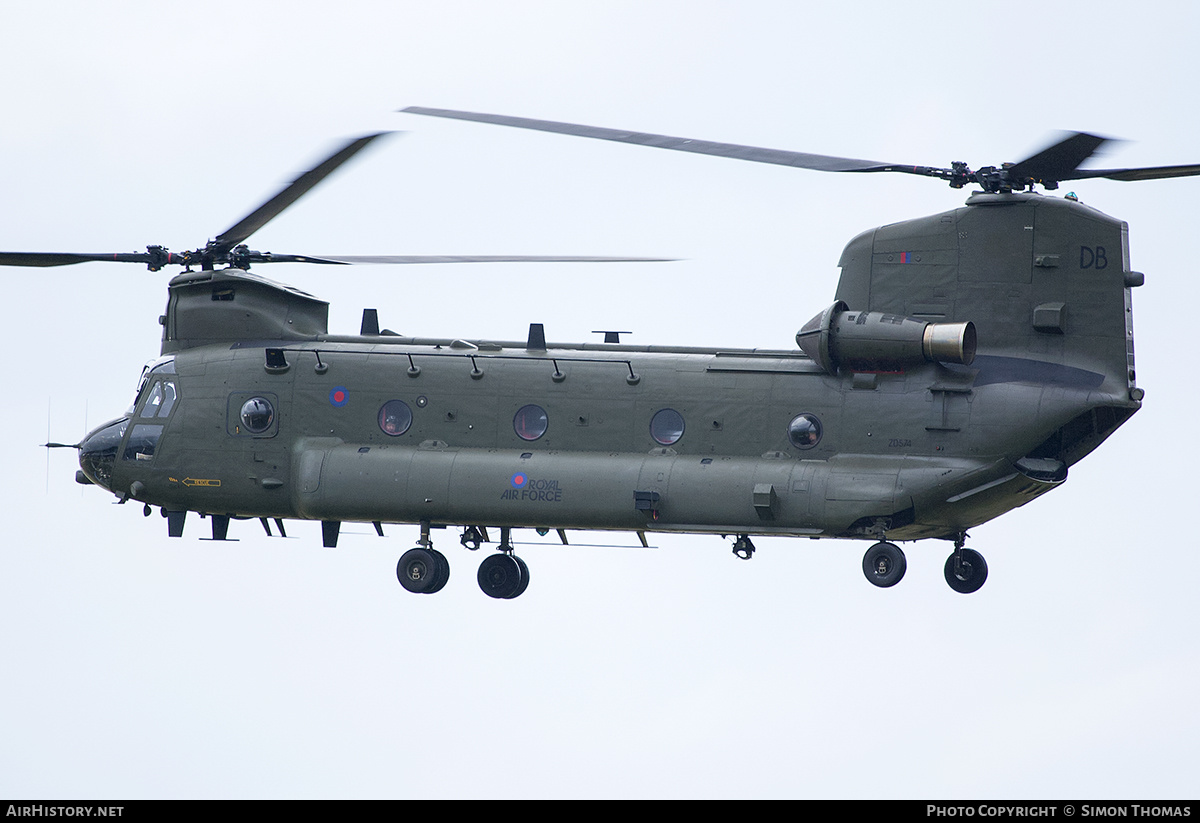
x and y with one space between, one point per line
156 397
158 366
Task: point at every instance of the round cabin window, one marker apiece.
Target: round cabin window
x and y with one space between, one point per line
804 431
530 422
395 417
257 415
666 427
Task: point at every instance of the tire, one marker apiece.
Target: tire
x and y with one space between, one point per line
500 576
524 577
443 572
971 575
884 564
418 570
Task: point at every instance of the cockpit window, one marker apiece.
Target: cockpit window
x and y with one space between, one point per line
161 365
143 440
99 452
153 401
169 396
160 399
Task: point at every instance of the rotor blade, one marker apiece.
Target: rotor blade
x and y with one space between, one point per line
355 259
818 162
1060 161
47 259
258 218
1155 173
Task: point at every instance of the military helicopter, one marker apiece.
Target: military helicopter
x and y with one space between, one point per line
919 404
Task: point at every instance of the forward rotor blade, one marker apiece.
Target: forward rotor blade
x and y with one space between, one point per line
240 231
818 162
356 259
47 259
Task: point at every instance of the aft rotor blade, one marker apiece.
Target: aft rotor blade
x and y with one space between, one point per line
1060 161
818 162
240 231
356 259
1153 173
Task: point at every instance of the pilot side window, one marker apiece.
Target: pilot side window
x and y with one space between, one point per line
143 440
160 400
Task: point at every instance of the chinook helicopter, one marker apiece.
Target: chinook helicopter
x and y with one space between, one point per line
919 404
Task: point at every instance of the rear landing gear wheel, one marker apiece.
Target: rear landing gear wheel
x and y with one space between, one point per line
884 564
966 571
503 576
423 571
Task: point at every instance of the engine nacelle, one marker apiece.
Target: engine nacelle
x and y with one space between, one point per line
838 338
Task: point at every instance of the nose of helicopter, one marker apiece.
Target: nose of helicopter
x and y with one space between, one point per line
98 451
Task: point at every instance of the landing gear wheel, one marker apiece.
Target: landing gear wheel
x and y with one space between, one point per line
966 571
422 571
443 572
884 564
500 576
524 576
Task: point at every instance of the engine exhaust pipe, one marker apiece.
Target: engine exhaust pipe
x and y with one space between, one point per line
838 338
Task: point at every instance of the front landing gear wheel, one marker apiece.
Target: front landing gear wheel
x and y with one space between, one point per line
524 576
884 564
503 576
443 573
423 571
966 571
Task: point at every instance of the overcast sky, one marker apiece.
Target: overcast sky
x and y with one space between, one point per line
135 666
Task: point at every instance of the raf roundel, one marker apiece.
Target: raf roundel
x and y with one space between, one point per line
338 396
519 480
